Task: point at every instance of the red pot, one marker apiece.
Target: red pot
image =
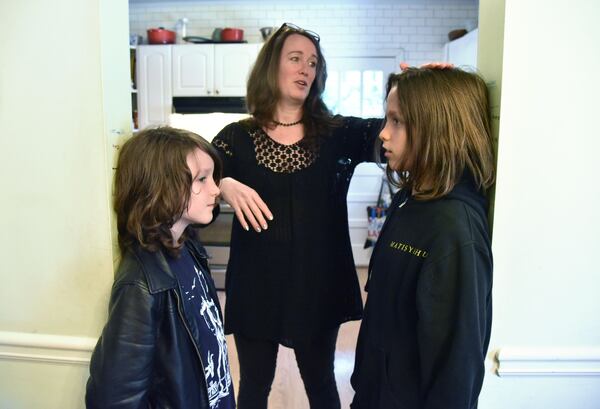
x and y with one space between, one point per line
161 36
232 34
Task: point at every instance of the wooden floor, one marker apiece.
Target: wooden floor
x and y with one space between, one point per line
288 391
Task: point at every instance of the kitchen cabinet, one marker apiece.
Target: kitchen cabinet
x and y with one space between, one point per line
132 64
218 70
154 89
189 70
462 52
193 70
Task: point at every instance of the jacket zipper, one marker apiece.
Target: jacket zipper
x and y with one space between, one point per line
392 212
192 338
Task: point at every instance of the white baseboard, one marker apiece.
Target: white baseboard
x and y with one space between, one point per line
531 361
60 349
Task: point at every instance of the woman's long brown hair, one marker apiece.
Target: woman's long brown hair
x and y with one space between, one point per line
263 89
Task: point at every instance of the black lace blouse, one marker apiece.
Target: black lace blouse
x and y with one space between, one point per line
297 278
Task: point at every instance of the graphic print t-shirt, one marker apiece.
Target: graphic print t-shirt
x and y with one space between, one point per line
211 338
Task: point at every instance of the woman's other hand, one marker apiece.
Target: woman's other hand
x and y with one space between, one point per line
248 205
440 65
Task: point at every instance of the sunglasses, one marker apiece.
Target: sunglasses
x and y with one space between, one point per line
292 27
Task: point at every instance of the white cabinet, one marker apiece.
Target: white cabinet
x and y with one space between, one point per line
462 52
155 95
189 70
362 192
233 63
212 69
193 72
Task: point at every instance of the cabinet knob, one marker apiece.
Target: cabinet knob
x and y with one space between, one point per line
217 92
208 92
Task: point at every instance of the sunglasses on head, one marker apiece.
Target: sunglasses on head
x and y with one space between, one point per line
294 28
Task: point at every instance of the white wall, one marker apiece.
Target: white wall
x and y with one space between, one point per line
345 26
56 112
546 222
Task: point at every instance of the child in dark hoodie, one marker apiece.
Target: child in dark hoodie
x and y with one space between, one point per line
427 321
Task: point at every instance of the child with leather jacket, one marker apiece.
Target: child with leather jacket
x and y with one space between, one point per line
163 345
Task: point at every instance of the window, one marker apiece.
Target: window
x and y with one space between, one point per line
356 85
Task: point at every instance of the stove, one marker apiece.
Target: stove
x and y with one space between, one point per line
215 238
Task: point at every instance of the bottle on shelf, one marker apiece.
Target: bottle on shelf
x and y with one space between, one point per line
181 30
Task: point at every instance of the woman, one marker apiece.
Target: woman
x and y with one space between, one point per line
163 345
292 281
427 322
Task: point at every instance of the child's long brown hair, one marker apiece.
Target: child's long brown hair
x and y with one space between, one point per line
447 118
152 186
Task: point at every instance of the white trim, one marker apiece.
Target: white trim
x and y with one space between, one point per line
513 361
25 339
56 359
62 349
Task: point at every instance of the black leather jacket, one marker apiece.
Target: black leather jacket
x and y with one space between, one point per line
146 356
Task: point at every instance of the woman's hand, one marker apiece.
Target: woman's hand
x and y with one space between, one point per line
433 65
248 205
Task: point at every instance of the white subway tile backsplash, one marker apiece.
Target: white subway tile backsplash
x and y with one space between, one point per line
408 13
374 13
441 13
401 39
344 25
416 22
427 47
383 22
374 29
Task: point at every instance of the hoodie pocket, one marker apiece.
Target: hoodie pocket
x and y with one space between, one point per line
372 384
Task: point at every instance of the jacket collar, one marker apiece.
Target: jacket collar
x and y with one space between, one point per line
158 274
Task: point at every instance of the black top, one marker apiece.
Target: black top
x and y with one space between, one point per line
428 317
203 312
297 278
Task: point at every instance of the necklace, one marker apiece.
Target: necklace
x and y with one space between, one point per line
287 123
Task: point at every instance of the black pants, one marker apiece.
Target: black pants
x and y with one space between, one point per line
258 359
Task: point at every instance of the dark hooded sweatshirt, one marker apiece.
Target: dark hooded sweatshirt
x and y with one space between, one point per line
427 321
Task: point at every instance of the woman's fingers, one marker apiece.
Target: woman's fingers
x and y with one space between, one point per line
437 65
249 215
249 207
263 207
240 216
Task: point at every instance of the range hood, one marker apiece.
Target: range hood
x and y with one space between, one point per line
205 105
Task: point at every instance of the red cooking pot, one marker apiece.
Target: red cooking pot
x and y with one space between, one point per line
161 36
232 34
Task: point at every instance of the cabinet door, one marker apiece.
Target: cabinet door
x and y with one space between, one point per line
232 66
193 70
154 84
462 52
